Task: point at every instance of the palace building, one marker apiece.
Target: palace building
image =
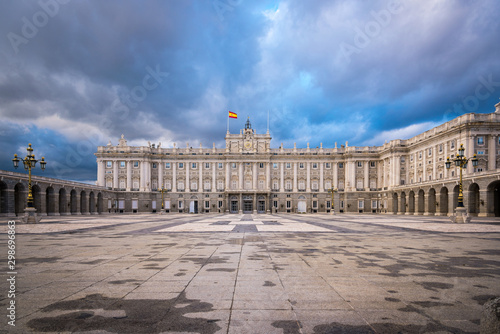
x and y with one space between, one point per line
404 176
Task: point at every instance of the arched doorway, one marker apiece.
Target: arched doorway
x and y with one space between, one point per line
443 201
72 202
421 202
395 203
83 202
302 206
411 203
493 200
63 202
50 205
4 199
402 210
431 202
247 204
19 199
474 199
91 202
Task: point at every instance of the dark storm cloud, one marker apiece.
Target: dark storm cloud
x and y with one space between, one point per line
74 74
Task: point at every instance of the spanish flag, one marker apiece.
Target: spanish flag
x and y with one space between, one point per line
233 115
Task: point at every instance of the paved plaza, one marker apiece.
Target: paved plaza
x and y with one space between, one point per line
290 274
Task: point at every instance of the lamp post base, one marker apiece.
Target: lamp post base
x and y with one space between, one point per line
30 216
332 212
461 216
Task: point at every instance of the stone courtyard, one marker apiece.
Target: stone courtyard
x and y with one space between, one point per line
210 273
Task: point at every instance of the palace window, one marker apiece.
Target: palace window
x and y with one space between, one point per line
361 204
372 164
154 165
480 140
168 186
328 165
315 204
440 148
275 185
480 152
234 185
275 165
288 185
360 164
180 205
122 164
430 151
109 164
261 165
328 185
452 144
181 165
194 185
302 185
220 165
180 186
193 165
167 165
122 184
288 204
207 165
136 164
374 204
207 185
220 204
411 157
341 165
288 165
220 185
233 165
420 155
261 184
207 204
275 204
315 165
315 185
301 165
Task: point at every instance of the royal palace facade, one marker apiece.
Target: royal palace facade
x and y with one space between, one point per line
248 176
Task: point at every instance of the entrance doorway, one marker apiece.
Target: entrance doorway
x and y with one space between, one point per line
193 207
247 204
301 207
234 205
261 205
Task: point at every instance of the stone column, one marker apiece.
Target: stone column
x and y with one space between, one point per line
268 176
335 167
160 175
240 176
321 181
174 176
415 168
397 170
445 149
129 175
492 152
101 171
147 167
295 177
255 173
282 176
214 177
115 174
308 182
366 175
200 180
228 176
187 186
469 152
434 162
483 201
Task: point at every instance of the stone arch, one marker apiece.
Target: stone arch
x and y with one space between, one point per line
63 202
92 205
19 199
73 206
493 199
403 203
443 201
395 203
474 199
100 203
50 201
421 202
4 198
456 190
83 202
431 202
411 202
37 198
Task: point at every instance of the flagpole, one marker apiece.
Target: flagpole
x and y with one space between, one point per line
227 124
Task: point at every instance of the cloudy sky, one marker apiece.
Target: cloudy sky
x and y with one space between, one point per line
75 74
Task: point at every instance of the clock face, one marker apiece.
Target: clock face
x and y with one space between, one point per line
248 145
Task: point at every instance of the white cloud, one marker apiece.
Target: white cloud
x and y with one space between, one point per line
402 133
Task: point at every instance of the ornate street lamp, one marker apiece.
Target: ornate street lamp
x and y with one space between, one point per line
461 162
29 162
163 190
332 191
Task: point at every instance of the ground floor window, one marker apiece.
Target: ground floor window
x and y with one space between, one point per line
207 204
